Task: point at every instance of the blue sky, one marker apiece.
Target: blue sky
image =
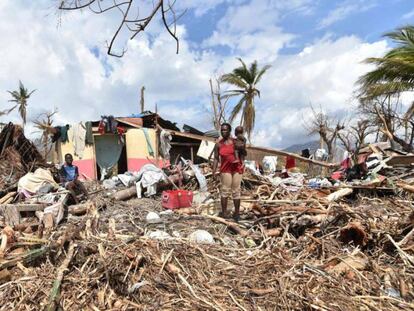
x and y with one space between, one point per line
315 48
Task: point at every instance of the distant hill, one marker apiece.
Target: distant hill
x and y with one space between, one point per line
297 148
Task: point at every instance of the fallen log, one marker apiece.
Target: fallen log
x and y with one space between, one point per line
54 297
125 194
7 197
81 209
335 196
232 225
406 187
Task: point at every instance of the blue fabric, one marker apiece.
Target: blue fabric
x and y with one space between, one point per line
70 172
137 115
147 138
108 150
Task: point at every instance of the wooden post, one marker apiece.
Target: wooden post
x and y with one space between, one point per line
157 152
192 154
142 102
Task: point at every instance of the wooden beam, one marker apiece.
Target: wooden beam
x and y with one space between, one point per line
268 151
185 144
193 136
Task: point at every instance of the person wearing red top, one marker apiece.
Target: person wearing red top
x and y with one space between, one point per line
231 171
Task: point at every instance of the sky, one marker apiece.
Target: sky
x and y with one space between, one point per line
315 48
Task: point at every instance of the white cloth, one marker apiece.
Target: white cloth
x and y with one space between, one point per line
149 176
269 164
77 136
32 182
165 144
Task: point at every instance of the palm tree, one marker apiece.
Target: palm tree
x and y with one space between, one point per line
394 73
246 80
20 97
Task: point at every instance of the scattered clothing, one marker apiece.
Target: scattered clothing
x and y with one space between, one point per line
269 164
149 176
33 182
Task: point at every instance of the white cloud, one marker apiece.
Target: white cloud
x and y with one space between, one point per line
345 9
322 74
61 64
408 15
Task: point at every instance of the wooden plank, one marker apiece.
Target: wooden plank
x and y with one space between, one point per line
185 144
404 160
11 215
26 207
269 151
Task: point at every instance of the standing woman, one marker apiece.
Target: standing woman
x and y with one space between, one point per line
230 172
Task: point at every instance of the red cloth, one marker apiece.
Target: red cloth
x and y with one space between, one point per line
226 152
345 164
338 175
290 162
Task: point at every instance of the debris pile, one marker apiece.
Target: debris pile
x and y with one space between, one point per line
302 244
18 155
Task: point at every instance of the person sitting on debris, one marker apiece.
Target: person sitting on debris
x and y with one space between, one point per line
239 145
69 174
230 172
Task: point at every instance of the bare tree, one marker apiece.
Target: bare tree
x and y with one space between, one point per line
353 137
218 103
44 123
130 16
387 115
326 127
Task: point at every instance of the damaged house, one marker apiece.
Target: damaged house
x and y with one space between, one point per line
124 144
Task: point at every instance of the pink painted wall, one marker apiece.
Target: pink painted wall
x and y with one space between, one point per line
136 164
87 168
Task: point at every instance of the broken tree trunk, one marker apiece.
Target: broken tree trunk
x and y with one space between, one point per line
54 297
7 197
125 194
335 196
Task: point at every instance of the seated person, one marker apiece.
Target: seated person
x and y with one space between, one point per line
69 174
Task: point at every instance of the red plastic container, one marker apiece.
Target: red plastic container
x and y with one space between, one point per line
173 199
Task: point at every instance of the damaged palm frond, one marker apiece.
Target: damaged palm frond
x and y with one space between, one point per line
246 79
394 72
20 97
132 20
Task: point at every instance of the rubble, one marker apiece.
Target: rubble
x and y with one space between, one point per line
18 155
302 243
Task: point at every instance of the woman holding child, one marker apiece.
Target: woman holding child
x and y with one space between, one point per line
231 153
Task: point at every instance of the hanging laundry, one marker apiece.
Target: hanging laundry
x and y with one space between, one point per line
121 132
78 133
89 133
60 132
165 144
64 133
